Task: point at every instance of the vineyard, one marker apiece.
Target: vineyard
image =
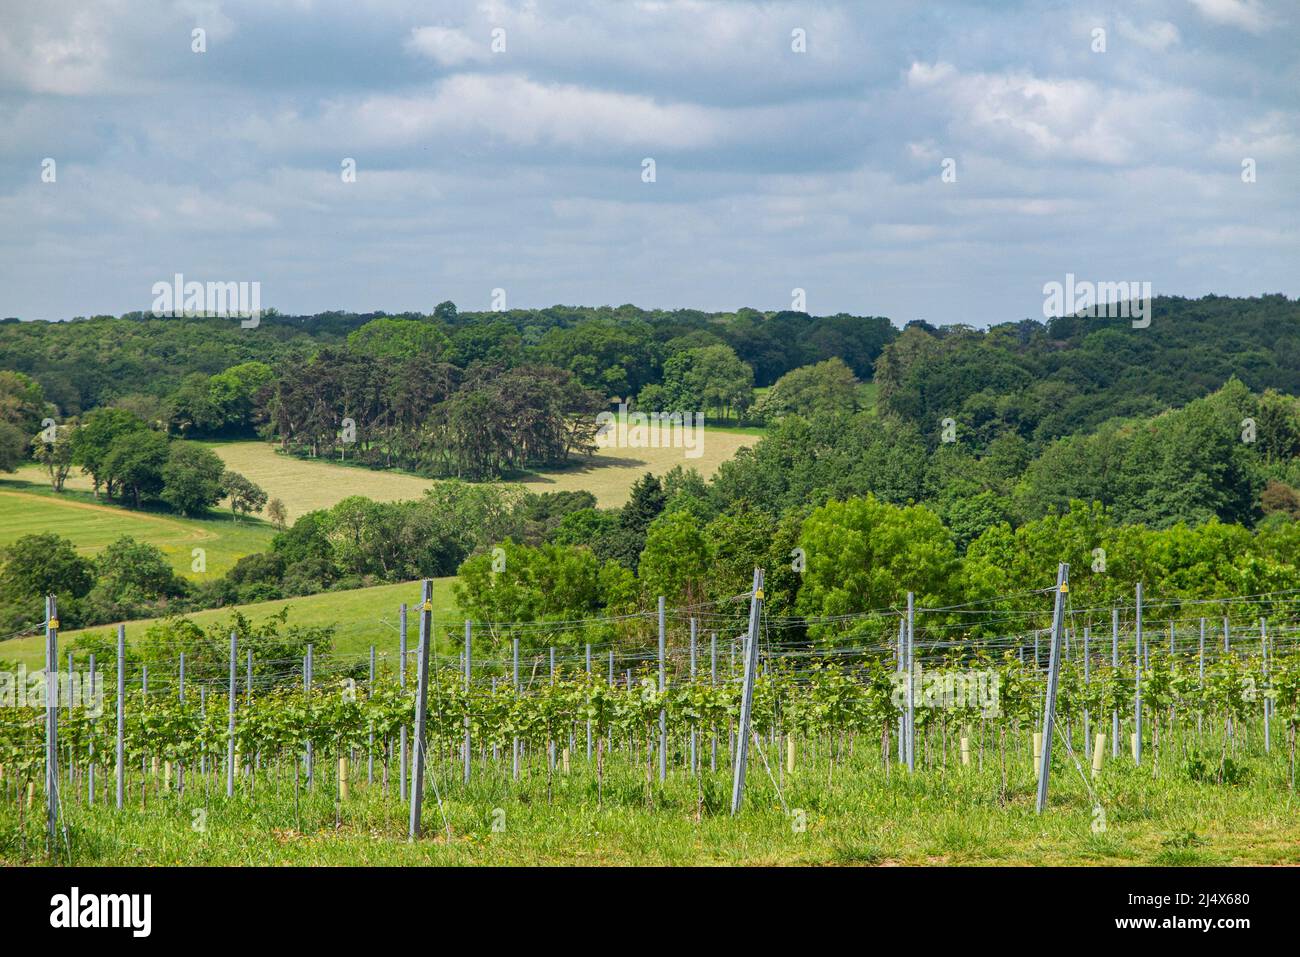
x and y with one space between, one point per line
1150 704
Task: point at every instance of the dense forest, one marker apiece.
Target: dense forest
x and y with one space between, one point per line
1044 381
88 362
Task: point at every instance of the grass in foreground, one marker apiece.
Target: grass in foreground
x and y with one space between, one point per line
858 816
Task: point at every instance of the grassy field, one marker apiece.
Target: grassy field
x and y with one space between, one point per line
860 816
27 506
362 616
305 485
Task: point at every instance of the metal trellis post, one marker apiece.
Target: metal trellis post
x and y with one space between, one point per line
747 693
911 682
1137 681
514 647
1053 674
694 734
370 693
51 720
230 726
663 714
421 703
467 753
403 745
120 770
1114 664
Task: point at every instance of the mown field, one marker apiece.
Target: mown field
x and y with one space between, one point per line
361 616
304 485
27 506
859 816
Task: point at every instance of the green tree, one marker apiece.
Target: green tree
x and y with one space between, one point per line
13 447
191 408
234 395
95 438
613 360
398 338
22 401
129 574
624 543
828 386
520 583
864 555
53 448
709 377
44 564
134 463
742 539
676 558
245 496
191 478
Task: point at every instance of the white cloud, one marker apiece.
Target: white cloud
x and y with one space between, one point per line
446 46
1249 15
67 56
924 151
1159 35
925 74
483 109
1063 119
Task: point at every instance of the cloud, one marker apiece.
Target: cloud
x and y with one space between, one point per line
1249 15
66 48
472 108
66 56
1158 35
1054 118
522 169
446 46
929 74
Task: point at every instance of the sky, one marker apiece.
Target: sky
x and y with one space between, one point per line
919 160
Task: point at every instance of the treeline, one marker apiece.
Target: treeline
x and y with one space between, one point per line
142 362
1045 381
127 579
1039 380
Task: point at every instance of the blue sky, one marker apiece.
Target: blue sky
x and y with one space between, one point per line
521 169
